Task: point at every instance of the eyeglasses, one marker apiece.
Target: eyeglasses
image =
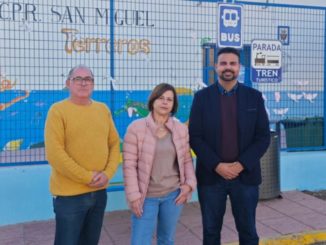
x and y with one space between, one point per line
80 80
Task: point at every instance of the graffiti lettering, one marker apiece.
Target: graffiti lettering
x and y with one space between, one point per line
89 44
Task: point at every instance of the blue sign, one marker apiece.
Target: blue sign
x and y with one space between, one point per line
283 34
229 25
266 65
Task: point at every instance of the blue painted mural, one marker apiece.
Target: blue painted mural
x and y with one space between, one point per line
22 122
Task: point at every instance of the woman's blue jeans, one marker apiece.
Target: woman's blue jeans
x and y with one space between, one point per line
79 218
157 211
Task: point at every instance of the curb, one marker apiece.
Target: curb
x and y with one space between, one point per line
295 239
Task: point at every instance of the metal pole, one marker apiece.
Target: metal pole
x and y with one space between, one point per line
324 79
112 75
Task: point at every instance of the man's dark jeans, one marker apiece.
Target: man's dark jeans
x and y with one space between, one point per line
244 199
79 218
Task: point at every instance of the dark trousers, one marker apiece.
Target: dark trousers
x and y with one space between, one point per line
244 199
79 218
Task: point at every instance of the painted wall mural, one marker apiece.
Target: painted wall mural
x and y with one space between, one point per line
149 44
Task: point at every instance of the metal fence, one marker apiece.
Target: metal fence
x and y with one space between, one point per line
134 45
296 105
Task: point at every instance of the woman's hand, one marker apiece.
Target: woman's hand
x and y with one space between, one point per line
183 196
136 208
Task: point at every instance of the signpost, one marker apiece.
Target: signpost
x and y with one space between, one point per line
229 25
266 65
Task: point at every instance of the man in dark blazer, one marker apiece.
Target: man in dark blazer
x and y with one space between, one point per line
229 132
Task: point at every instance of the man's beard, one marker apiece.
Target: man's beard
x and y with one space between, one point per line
228 78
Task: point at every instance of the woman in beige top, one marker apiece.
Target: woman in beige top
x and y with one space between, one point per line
158 169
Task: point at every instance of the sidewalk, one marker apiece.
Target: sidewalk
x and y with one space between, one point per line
295 213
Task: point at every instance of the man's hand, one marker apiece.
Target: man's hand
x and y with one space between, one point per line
237 167
136 208
229 171
99 180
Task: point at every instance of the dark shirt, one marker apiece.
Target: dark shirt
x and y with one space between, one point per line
225 92
229 149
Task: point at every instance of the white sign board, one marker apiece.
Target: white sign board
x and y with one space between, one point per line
266 61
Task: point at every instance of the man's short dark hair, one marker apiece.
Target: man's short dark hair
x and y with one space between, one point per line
157 93
228 50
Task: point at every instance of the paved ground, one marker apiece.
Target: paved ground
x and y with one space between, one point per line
295 213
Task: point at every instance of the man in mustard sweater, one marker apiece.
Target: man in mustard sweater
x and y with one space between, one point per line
82 147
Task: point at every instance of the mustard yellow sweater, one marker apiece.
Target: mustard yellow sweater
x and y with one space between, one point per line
78 141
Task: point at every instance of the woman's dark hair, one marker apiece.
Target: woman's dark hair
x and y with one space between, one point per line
158 91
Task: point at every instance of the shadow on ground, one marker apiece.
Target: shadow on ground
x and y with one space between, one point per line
319 194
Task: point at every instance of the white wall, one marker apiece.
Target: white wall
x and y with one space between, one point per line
25 196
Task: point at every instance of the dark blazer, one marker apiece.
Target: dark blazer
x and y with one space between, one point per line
253 133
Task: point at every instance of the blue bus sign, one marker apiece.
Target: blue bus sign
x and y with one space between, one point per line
229 25
266 61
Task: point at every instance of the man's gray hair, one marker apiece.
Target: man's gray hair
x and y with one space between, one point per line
84 67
